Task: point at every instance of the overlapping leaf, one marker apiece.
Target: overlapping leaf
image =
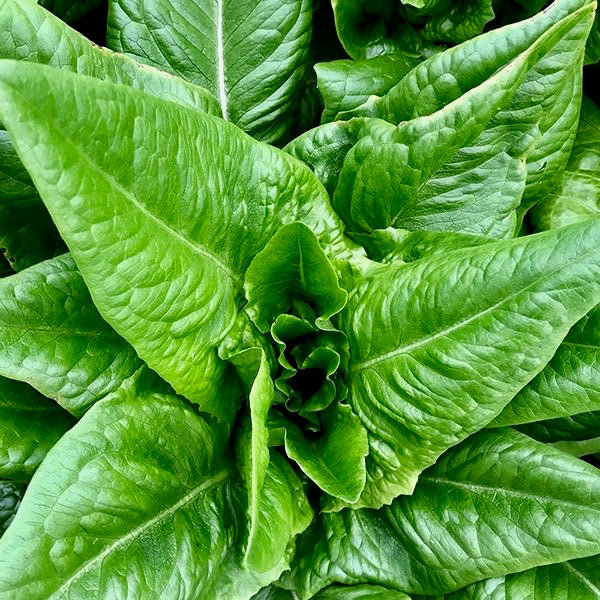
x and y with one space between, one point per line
250 54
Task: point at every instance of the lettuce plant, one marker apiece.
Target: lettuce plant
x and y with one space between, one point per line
246 354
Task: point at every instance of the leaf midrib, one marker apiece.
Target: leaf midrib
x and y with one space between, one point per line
489 489
587 582
456 326
134 533
192 244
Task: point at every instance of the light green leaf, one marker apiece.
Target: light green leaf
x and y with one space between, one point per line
347 84
251 54
575 195
335 460
568 385
147 509
471 141
277 506
29 426
573 580
292 267
52 337
439 346
11 493
497 504
30 33
160 185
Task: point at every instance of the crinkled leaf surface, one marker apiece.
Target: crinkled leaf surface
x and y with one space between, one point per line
576 193
30 425
250 54
52 337
346 84
147 508
486 123
438 348
497 504
163 208
568 385
28 32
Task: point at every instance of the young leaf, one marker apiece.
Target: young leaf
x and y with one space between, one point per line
147 509
250 54
29 426
52 337
439 347
568 385
463 159
164 209
291 268
497 504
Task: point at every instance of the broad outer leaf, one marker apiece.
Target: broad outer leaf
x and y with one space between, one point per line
11 493
360 592
439 346
497 504
576 193
464 158
251 54
568 385
52 337
163 208
29 426
28 32
573 580
135 501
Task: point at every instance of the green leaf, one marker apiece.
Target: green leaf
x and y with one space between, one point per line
573 580
29 426
568 385
11 493
160 190
345 85
471 141
70 10
439 346
30 33
497 504
576 192
292 267
335 460
147 509
52 337
251 55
